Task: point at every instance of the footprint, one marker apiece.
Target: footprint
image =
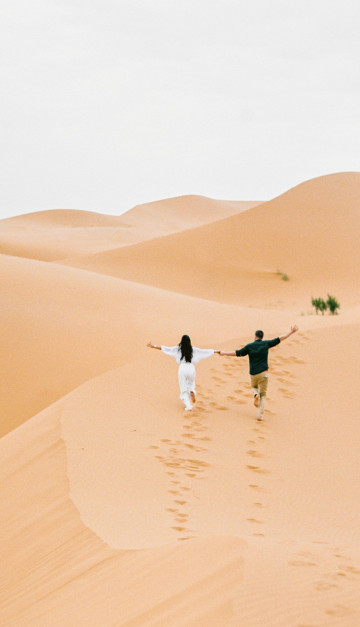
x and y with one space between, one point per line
253 453
324 585
197 449
296 360
198 463
351 569
257 469
186 538
339 610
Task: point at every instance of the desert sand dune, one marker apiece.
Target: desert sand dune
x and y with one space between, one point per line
309 233
57 572
62 326
120 509
60 233
128 512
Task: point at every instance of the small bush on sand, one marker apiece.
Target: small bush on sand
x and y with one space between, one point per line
284 276
319 304
332 304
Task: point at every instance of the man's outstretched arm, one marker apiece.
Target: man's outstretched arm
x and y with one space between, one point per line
293 329
232 354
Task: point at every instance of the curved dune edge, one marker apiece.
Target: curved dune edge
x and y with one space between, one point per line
193 474
306 233
57 234
58 572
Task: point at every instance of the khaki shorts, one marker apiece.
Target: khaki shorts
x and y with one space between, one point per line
260 381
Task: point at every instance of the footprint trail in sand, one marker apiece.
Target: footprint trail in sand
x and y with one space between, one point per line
184 461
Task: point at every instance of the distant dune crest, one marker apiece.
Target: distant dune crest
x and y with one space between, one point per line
307 233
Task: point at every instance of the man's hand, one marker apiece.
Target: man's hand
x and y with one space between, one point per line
293 329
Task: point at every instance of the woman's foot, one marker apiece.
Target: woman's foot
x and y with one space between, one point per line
193 397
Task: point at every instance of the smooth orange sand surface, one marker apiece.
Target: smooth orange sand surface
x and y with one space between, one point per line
119 508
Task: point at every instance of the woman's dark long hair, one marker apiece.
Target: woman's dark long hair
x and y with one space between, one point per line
186 348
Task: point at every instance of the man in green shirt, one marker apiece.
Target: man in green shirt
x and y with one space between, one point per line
259 368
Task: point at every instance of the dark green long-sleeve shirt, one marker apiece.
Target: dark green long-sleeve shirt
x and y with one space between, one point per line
258 354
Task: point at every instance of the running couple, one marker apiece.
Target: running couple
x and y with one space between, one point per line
187 356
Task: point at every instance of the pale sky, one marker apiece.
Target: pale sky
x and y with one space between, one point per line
106 104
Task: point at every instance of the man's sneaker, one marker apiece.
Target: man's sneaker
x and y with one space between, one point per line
260 418
193 397
256 400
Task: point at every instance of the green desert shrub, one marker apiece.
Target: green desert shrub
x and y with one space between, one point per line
319 304
284 276
322 305
332 304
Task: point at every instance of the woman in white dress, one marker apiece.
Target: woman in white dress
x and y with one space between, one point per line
186 356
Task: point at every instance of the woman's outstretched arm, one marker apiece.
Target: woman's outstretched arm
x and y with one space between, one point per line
150 345
203 353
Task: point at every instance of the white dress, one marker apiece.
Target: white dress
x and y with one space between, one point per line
186 372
